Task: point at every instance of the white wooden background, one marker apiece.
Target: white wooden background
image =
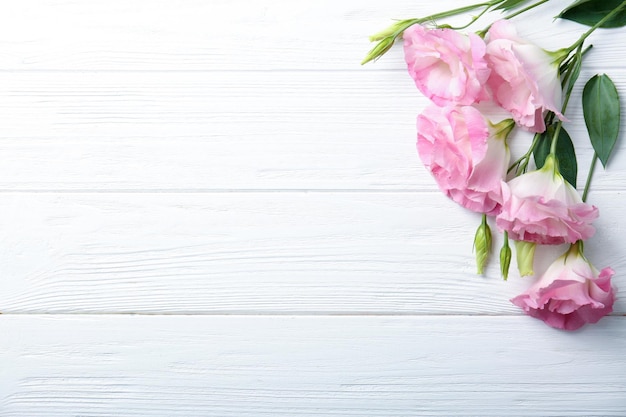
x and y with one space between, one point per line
209 208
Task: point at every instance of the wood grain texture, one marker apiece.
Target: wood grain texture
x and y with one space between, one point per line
209 208
227 35
308 366
259 252
229 130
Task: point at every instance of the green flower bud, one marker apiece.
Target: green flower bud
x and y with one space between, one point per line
392 31
505 257
525 252
482 245
379 50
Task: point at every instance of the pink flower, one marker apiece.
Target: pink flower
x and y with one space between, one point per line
541 207
524 78
467 160
571 293
447 66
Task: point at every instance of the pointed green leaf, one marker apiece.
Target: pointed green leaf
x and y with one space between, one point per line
509 4
590 12
601 109
565 153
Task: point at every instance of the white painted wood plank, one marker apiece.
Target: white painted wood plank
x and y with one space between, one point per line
228 130
233 35
259 252
308 366
196 131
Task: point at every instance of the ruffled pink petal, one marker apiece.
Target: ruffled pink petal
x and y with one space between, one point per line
454 143
524 79
541 207
570 294
448 67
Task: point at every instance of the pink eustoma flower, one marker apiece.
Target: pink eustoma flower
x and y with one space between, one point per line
465 155
570 294
541 207
524 78
448 67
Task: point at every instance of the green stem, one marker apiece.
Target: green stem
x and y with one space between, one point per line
568 61
459 10
590 175
387 37
568 94
525 9
474 19
568 76
403 25
555 138
596 26
483 32
525 159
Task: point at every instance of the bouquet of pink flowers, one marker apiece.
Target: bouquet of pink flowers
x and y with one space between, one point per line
532 200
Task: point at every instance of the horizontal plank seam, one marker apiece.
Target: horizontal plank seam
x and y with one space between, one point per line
212 71
210 190
370 68
239 190
272 313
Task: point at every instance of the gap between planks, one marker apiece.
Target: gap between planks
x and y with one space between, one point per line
239 191
244 313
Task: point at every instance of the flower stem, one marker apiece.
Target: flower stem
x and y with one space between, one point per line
571 72
589 176
523 161
387 37
568 78
459 10
525 9
568 61
483 32
555 138
596 26
474 19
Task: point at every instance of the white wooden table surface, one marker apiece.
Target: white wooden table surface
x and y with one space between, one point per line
209 208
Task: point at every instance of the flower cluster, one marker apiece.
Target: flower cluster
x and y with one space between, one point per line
464 146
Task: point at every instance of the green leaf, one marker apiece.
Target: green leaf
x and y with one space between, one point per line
590 12
601 109
509 4
565 153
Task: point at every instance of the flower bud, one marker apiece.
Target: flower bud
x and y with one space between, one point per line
525 252
482 245
505 258
391 31
379 50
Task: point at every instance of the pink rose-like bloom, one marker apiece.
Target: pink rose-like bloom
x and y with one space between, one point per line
448 67
524 78
541 207
571 293
467 160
